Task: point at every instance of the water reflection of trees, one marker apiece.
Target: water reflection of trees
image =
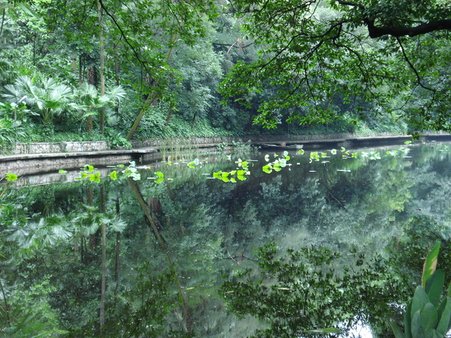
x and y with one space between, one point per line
387 212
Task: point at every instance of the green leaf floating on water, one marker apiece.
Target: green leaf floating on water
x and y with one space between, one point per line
241 175
314 156
10 177
277 166
113 175
160 177
95 177
222 176
62 172
231 176
89 168
225 176
193 164
267 168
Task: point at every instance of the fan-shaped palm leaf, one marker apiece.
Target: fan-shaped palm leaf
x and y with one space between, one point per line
47 95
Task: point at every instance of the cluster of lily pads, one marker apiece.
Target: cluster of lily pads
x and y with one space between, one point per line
277 164
238 174
119 172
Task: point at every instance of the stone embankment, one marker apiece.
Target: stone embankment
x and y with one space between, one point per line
32 158
59 147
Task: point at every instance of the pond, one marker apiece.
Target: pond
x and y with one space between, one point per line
295 244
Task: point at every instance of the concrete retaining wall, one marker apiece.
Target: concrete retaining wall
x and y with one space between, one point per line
194 142
59 147
29 166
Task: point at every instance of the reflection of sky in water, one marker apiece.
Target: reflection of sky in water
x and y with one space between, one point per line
360 331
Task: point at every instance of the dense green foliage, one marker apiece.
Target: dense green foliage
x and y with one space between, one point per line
152 68
322 59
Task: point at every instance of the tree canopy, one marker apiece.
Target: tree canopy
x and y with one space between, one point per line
345 66
322 58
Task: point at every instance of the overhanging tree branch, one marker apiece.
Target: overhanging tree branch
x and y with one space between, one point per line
412 66
398 31
135 52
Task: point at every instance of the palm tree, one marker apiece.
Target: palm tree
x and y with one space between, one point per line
46 95
88 101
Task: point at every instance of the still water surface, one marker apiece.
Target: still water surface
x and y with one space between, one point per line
329 240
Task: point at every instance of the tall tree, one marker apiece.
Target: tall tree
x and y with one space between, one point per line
102 64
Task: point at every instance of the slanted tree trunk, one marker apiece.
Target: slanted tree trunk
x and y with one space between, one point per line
154 97
154 226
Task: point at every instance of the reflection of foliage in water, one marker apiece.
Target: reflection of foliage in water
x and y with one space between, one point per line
419 232
212 229
313 288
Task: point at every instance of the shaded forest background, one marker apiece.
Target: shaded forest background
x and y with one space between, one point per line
107 69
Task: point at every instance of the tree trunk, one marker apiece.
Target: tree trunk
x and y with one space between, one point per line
102 65
5 301
92 79
93 239
117 75
82 256
117 250
103 263
3 21
152 98
153 223
80 69
103 282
